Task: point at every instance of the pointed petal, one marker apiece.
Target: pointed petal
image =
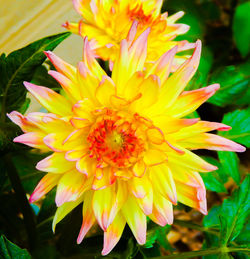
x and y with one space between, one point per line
113 233
211 142
70 187
71 88
23 122
120 70
162 181
191 161
63 210
44 186
137 53
105 206
162 67
162 213
61 66
49 99
192 197
136 219
141 188
55 163
179 79
90 61
88 217
189 101
32 139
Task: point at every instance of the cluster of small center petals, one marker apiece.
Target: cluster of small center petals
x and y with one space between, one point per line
137 14
114 141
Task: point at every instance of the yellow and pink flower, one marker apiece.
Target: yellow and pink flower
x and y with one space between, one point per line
121 145
107 23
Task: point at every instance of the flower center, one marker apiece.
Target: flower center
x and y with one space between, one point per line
114 140
138 14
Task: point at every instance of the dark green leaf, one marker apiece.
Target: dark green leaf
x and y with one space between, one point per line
20 66
244 236
11 251
41 77
230 164
214 181
8 131
234 85
234 212
239 120
241 24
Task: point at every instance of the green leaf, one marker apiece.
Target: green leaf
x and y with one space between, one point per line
244 236
155 233
230 164
214 181
41 77
11 251
20 66
241 24
234 85
234 213
239 120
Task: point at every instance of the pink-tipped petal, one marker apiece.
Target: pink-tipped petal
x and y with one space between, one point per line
49 99
61 66
55 163
113 234
105 206
70 187
88 217
44 186
136 219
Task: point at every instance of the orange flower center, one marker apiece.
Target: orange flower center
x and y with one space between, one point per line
138 14
114 140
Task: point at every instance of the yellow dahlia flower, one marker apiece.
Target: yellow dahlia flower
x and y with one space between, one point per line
121 144
106 23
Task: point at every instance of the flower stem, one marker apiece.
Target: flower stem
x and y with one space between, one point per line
27 212
208 251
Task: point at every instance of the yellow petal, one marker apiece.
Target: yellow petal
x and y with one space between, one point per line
55 163
163 182
49 99
136 219
105 206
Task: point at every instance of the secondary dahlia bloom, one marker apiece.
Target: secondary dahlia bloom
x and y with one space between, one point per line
107 23
121 144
